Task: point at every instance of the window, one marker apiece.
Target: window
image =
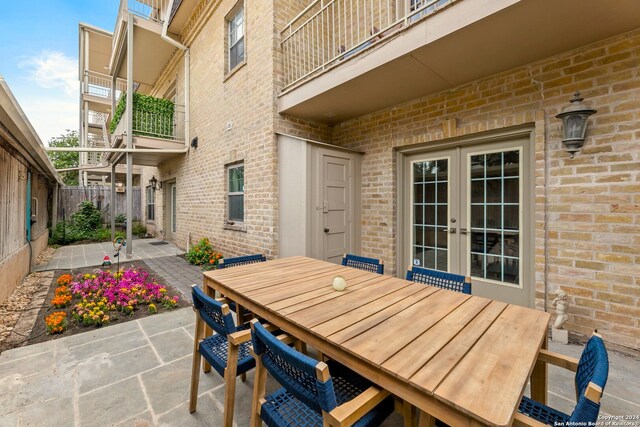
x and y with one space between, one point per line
236 38
151 204
235 194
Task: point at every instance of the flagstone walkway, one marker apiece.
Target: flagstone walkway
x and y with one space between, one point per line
92 254
137 374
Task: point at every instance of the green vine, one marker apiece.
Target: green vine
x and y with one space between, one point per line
151 116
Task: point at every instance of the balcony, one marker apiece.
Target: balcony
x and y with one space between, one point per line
150 52
96 89
159 127
346 58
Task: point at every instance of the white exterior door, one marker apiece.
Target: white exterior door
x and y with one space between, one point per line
336 206
469 213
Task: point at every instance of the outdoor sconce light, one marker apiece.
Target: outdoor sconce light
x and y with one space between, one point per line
154 184
574 124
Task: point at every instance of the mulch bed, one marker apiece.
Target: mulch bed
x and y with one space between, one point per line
39 332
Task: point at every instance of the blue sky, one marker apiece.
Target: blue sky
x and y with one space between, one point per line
39 56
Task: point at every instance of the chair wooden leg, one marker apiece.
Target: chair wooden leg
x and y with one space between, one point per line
230 385
426 420
259 388
243 376
300 346
407 414
195 368
239 314
206 329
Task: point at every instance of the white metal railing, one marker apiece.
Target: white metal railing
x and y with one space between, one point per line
154 125
328 31
97 84
152 10
97 136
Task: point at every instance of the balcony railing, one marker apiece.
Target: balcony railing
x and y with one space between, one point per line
152 10
97 119
99 85
97 136
95 140
329 31
154 124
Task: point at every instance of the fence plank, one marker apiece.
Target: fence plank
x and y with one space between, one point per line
70 197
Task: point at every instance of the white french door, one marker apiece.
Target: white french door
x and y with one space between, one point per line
469 214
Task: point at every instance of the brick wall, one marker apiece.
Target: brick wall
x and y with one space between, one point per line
243 99
587 208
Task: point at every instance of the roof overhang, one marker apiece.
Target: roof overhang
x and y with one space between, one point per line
180 13
469 40
99 43
16 123
150 52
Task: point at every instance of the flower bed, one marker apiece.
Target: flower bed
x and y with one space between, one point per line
100 297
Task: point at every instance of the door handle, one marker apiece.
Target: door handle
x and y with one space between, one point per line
464 231
326 230
450 230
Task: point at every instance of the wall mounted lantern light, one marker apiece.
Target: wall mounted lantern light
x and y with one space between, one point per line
574 123
154 183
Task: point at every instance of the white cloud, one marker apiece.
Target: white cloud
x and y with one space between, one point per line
51 116
51 69
49 93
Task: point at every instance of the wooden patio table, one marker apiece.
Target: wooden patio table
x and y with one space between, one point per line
462 359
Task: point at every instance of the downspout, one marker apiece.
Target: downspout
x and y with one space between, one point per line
28 219
28 215
187 59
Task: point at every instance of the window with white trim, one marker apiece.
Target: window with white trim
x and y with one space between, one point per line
235 22
235 193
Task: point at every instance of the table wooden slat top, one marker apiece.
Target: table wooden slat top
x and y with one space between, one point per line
473 354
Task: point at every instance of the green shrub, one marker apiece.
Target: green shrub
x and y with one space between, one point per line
102 235
88 218
120 218
85 224
68 232
139 229
202 253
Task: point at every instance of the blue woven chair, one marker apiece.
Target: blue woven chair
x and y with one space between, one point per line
241 260
235 262
309 394
371 265
227 351
591 376
450 281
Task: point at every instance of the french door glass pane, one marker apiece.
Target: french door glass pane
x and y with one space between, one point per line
429 245
495 216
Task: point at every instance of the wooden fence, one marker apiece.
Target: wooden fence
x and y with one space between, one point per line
70 197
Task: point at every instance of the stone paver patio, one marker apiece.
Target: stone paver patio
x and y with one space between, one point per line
92 254
137 373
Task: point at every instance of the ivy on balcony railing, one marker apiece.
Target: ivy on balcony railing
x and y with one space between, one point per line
151 116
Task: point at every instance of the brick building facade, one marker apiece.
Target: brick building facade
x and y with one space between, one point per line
584 211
